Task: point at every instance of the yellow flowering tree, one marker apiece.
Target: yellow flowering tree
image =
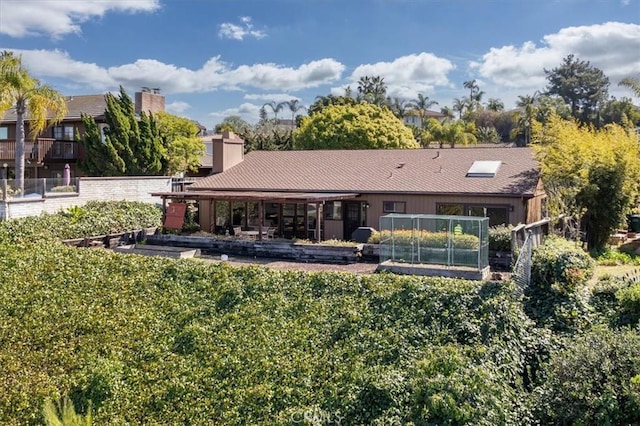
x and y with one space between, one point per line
360 126
591 174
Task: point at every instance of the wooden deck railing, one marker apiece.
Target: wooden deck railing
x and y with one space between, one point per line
34 150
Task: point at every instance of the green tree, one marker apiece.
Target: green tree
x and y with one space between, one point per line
448 113
494 104
322 102
233 123
294 106
399 107
621 112
631 83
361 126
183 146
589 174
422 104
25 94
129 145
459 105
372 89
275 108
582 86
525 117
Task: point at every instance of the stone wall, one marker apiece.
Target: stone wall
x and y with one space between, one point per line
133 188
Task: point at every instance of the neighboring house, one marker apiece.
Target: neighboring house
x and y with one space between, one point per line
414 117
349 189
46 155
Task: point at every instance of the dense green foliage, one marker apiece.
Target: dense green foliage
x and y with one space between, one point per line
133 340
183 147
93 219
500 238
558 297
426 239
360 126
128 146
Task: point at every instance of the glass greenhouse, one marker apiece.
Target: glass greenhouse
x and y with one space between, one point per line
461 241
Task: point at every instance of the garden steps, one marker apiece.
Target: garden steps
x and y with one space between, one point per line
164 251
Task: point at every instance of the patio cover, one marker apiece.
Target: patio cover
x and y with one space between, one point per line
273 197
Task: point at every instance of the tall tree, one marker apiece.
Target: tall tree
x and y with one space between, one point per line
322 102
372 89
525 117
448 113
590 174
631 83
475 94
398 107
25 94
459 105
294 106
183 146
582 86
129 145
275 107
494 104
422 105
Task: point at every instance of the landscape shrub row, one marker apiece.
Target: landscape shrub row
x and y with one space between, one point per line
93 219
159 341
426 239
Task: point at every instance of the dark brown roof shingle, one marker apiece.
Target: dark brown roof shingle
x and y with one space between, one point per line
93 105
394 171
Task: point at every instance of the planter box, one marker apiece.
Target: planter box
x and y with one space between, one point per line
264 249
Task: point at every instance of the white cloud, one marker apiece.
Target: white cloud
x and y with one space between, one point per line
239 32
21 18
214 74
277 97
247 111
177 107
408 75
613 47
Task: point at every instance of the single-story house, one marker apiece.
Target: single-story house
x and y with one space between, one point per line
325 194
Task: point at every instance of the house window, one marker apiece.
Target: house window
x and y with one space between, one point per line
4 132
394 207
63 133
450 209
497 215
333 210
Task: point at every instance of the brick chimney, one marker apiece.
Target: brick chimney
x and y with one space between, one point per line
149 101
228 150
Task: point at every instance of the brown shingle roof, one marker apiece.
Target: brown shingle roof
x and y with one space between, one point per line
94 105
397 171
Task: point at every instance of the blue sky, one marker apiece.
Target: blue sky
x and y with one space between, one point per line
215 58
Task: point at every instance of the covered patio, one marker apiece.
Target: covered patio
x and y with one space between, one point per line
259 214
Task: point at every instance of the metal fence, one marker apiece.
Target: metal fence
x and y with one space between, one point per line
522 268
435 239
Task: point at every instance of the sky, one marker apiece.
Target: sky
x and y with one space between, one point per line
216 58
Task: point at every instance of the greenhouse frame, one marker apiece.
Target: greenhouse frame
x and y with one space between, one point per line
421 239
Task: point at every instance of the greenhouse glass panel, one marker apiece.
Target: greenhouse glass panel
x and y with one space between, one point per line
435 239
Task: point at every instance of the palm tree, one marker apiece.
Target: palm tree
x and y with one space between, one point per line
372 89
294 106
494 104
448 113
399 107
25 94
526 116
422 104
475 95
275 107
631 83
459 106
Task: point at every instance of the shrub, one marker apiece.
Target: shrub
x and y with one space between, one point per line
500 238
591 381
426 239
561 264
558 296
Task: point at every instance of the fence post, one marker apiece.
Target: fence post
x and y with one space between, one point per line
44 187
4 189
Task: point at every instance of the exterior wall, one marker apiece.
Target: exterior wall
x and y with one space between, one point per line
90 189
333 229
426 204
228 150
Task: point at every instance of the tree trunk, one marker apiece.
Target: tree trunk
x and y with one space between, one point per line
20 140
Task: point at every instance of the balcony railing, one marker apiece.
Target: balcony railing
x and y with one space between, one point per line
40 149
37 188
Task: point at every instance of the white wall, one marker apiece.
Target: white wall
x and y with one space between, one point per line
134 188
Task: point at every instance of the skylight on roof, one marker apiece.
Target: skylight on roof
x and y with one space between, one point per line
484 168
